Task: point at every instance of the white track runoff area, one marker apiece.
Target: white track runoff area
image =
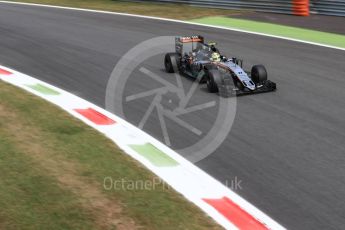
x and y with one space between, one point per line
222 204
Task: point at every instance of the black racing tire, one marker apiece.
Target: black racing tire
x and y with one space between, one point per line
258 74
213 79
171 62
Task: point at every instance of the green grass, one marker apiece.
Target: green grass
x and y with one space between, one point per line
32 200
278 30
175 11
52 168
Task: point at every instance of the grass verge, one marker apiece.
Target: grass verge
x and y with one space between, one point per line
277 30
52 169
166 10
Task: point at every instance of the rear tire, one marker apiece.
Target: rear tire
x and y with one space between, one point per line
171 62
213 79
258 74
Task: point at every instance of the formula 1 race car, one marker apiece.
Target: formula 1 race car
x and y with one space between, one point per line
204 62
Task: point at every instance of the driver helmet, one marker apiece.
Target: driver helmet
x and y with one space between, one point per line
212 46
215 57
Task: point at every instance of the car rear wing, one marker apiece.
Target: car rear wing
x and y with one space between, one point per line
187 39
180 40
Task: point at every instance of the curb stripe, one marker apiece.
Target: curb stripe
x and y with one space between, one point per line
235 214
95 116
187 179
231 212
43 89
4 72
154 155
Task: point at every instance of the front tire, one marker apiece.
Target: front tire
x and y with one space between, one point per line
171 62
258 74
213 79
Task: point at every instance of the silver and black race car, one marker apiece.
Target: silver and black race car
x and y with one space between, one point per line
204 62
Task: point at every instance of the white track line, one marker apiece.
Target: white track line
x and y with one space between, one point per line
177 21
186 178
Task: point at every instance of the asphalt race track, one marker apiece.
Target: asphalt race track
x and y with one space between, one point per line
286 147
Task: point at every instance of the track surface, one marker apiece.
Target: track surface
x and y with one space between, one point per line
287 147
